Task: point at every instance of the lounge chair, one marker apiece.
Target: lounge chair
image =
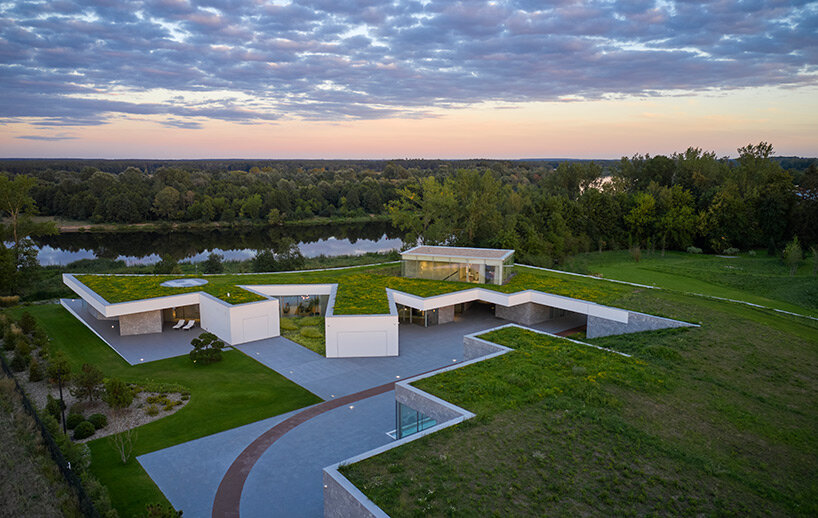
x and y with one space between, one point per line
189 325
179 324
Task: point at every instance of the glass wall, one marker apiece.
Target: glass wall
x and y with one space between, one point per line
409 421
302 305
508 269
441 270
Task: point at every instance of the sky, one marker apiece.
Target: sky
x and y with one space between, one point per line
405 79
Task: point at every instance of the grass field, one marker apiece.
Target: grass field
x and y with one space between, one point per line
716 420
758 279
224 395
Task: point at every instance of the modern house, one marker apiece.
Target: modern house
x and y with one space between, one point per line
449 263
240 309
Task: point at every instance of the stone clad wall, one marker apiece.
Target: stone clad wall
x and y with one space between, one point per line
445 315
339 501
141 323
526 314
425 404
637 322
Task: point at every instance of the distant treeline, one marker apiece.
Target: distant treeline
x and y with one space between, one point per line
545 209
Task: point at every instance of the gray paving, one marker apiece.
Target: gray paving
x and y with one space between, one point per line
135 349
421 350
190 473
287 480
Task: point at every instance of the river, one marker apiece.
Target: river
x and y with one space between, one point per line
233 244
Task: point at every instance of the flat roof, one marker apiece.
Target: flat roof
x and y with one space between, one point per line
458 251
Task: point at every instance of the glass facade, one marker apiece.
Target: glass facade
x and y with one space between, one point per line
409 421
302 305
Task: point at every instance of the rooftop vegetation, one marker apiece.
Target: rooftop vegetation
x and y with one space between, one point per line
717 420
360 290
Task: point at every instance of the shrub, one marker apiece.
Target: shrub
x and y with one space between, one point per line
213 264
732 251
53 407
793 255
27 323
752 253
167 265
23 348
310 332
310 321
636 253
19 363
9 300
10 338
98 420
40 338
73 420
152 410
288 324
207 348
35 372
161 511
694 250
83 430
117 394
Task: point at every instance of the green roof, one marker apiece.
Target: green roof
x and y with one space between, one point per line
361 290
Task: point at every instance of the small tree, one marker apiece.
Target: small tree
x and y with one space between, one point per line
59 373
87 383
123 443
207 348
793 255
213 263
118 394
27 323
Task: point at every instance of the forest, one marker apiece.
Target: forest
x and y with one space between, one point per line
546 210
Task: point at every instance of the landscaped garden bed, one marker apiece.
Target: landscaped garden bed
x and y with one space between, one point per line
223 395
307 331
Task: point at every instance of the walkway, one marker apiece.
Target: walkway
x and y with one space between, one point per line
274 467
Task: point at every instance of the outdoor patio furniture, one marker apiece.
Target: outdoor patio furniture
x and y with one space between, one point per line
179 324
189 325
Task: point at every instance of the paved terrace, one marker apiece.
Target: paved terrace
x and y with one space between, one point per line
285 477
138 348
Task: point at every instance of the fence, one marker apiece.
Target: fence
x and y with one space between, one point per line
86 504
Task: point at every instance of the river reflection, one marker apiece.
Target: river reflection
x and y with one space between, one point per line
233 244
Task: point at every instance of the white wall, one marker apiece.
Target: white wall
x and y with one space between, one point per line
240 323
350 336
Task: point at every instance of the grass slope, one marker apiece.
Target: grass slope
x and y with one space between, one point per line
721 419
224 395
758 279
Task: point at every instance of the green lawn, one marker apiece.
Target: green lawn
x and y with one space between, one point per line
717 420
361 290
224 395
758 279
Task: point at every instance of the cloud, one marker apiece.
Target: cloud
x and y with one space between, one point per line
70 62
44 137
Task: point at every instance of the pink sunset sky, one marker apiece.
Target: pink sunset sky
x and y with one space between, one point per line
406 79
